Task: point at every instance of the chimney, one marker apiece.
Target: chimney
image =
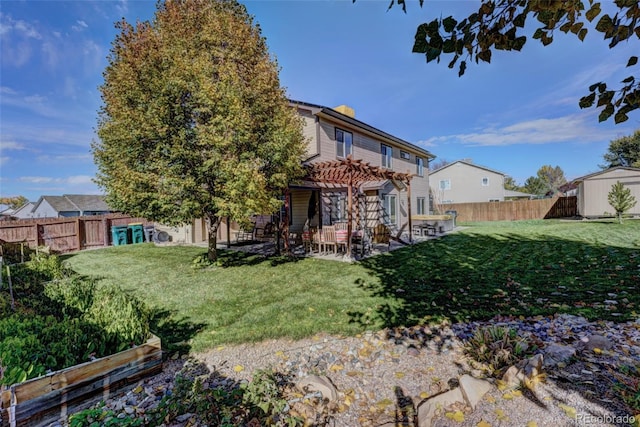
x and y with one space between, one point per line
346 110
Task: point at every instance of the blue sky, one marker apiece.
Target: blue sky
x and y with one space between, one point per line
514 115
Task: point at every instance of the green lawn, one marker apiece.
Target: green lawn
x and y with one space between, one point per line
509 268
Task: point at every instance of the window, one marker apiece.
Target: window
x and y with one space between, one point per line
485 181
390 208
337 207
386 156
405 155
344 143
419 166
445 184
420 205
494 200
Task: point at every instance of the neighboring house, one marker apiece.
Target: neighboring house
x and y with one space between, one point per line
70 205
465 182
24 211
517 195
593 191
386 172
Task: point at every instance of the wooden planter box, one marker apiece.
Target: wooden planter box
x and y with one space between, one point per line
41 401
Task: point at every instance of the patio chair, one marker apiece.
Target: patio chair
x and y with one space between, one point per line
308 239
329 238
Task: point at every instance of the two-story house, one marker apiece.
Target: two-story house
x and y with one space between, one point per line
357 171
465 182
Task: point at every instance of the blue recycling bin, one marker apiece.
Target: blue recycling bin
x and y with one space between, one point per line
137 233
119 235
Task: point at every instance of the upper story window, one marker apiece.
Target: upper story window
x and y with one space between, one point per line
344 143
419 166
386 156
405 155
445 184
485 181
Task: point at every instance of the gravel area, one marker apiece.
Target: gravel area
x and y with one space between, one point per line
383 378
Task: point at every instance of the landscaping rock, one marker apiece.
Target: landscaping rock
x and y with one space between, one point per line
316 383
473 389
430 407
558 353
597 341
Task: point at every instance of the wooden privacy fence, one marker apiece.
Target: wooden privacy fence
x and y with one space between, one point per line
65 234
557 207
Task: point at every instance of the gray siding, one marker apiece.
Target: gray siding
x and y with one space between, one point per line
467 184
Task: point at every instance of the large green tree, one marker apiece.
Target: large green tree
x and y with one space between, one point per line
548 180
623 151
500 25
194 123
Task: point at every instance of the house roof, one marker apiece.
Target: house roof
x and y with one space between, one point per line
468 164
513 193
329 112
577 180
75 203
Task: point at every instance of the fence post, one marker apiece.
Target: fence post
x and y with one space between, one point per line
105 223
78 234
37 236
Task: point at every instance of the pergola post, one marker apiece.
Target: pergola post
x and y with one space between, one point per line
350 215
409 211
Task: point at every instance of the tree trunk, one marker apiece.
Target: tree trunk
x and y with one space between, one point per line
213 222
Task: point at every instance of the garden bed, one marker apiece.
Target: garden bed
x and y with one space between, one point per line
40 401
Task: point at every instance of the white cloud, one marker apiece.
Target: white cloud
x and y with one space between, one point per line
69 180
78 180
27 30
572 128
81 25
11 145
75 158
35 179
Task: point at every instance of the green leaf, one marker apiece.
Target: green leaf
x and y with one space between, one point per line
632 61
519 43
620 117
463 67
449 23
485 56
605 24
606 113
520 20
575 28
453 61
546 39
433 53
593 12
420 44
565 27
587 101
449 46
538 33
582 34
629 79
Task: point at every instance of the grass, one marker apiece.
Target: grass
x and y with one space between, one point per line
522 268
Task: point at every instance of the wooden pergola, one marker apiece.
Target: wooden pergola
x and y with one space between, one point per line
352 174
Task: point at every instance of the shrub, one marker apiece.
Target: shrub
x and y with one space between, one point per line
493 349
123 317
31 345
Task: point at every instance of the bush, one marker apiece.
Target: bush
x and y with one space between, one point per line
62 319
123 317
32 345
493 349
